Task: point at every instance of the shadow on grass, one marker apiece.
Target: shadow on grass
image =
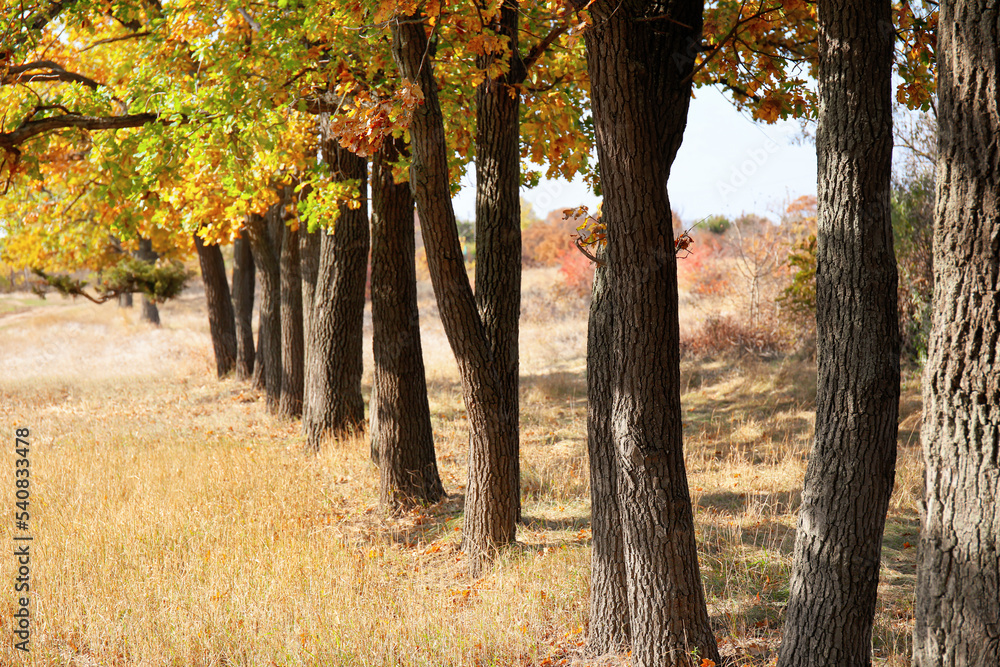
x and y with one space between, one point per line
432 524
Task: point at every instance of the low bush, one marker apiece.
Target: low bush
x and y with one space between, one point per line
725 333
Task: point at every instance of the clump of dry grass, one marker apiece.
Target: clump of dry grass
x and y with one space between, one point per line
177 523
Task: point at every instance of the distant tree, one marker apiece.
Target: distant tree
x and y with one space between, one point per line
221 321
958 569
292 352
244 285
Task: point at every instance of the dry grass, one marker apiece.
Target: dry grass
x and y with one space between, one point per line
177 523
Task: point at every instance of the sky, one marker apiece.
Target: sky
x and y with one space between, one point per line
727 165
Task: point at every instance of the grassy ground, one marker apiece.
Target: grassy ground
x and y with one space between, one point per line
177 523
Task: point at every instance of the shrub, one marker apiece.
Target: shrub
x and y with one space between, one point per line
545 242
722 334
577 271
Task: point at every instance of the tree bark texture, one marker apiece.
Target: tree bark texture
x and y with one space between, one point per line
958 567
609 616
265 241
400 414
490 504
125 300
221 321
852 464
244 285
334 405
292 373
639 66
150 313
498 233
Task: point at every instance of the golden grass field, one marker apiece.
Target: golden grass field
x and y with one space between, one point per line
175 522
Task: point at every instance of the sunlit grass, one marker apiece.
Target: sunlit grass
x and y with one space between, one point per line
177 523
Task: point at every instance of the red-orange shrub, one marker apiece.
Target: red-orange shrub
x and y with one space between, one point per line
577 271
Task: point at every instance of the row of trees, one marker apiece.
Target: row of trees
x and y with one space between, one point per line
260 125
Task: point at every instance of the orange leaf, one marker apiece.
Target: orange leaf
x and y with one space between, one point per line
705 662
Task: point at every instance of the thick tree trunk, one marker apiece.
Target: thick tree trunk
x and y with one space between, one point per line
400 415
265 232
498 241
958 567
290 404
490 506
609 616
639 66
125 300
852 464
150 313
334 405
244 285
221 321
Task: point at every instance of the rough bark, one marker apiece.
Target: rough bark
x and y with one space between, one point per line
334 405
400 415
958 567
609 616
150 313
244 285
490 506
851 467
498 236
221 321
639 66
265 241
290 404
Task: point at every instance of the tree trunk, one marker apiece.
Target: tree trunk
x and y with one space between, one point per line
150 313
958 567
244 285
400 415
609 617
221 321
490 506
639 66
309 243
334 405
852 464
498 238
290 404
265 241
125 300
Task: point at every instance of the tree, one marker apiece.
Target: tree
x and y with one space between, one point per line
221 321
290 403
609 610
401 433
265 233
491 504
498 229
958 571
640 63
333 402
150 313
244 285
852 464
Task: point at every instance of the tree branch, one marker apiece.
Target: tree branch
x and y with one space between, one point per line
32 128
21 74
